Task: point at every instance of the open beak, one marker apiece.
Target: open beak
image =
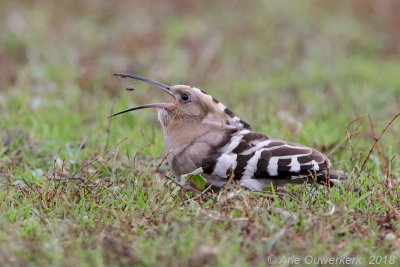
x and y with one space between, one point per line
164 87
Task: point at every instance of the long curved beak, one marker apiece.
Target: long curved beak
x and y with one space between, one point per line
157 105
165 88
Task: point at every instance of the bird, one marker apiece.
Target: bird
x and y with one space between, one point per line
202 133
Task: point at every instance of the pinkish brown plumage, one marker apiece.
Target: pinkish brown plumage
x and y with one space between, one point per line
201 132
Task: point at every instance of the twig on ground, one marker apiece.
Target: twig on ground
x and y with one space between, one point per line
54 170
184 186
370 151
340 147
150 145
117 144
161 161
377 145
108 132
389 175
95 173
230 178
384 200
350 135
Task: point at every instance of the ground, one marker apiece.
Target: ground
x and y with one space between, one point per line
78 189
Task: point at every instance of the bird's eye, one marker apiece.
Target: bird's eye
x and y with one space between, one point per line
184 97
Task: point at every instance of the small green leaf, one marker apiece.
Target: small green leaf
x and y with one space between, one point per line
237 213
198 181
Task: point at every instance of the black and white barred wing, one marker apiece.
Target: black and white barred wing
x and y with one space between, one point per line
253 156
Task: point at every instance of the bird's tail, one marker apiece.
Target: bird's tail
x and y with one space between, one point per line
333 178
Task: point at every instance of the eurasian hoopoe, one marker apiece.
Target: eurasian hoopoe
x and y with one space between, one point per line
201 132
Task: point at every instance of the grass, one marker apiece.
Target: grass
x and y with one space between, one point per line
79 189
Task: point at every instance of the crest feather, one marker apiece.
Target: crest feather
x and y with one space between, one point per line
220 112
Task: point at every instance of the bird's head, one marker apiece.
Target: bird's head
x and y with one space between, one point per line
189 104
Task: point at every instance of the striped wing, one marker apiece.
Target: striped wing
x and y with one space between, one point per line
253 155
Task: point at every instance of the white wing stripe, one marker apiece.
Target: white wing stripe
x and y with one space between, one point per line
273 166
224 163
251 166
315 164
294 164
234 142
259 145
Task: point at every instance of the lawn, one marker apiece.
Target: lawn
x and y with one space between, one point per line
79 189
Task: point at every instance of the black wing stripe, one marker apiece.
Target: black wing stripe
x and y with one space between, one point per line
304 159
251 137
284 162
277 143
287 151
262 164
241 165
284 165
